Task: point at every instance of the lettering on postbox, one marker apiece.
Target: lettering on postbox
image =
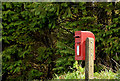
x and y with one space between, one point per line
80 38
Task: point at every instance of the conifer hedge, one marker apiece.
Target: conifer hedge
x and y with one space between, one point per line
37 37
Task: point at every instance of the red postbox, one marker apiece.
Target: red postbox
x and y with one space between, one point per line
80 38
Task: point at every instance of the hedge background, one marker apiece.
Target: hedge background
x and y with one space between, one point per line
37 37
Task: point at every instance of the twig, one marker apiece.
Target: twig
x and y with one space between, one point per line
67 30
115 62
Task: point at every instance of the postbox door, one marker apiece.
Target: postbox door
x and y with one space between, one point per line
77 48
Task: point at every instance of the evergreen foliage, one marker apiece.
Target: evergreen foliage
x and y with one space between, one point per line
28 46
38 40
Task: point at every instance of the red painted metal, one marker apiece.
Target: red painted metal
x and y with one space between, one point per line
80 38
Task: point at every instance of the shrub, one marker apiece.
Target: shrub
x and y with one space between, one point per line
118 74
80 74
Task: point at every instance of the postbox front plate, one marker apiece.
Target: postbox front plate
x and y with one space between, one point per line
80 38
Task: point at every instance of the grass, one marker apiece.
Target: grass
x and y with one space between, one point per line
80 74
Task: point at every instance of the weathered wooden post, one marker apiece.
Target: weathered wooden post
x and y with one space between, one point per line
89 59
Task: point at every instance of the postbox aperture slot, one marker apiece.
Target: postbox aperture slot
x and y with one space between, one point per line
77 36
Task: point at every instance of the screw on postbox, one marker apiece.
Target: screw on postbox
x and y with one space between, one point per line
80 38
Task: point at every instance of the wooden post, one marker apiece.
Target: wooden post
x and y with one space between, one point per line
89 59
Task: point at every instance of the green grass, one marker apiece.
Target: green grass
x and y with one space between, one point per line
80 74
